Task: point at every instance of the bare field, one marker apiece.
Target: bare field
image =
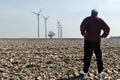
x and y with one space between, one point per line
54 59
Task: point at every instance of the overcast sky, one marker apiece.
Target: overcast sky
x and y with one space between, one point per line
18 21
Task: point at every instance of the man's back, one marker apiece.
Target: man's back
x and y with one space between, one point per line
91 28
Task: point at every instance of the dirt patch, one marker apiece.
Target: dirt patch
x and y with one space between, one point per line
54 59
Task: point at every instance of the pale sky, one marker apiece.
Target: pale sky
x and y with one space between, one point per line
18 21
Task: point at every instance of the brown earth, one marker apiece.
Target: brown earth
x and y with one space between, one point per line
53 59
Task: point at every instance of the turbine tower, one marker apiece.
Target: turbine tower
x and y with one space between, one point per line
60 27
38 14
58 24
45 18
60 32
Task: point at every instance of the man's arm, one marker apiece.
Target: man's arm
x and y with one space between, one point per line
105 29
83 27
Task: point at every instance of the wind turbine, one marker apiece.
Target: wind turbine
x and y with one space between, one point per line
38 14
58 24
45 18
59 29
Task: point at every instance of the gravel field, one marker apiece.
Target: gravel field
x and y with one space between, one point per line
54 59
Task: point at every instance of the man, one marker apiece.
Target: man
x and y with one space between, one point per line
91 28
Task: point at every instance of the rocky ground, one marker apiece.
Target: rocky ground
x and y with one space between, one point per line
54 59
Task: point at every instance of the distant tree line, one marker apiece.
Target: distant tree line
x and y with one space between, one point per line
115 37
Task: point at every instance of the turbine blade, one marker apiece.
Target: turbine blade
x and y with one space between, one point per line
34 13
39 11
43 16
48 17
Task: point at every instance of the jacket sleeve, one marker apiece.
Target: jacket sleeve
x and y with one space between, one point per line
83 27
105 29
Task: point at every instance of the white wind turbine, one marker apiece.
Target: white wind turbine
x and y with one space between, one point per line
45 18
38 14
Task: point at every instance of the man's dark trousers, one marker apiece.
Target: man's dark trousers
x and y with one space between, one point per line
89 47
